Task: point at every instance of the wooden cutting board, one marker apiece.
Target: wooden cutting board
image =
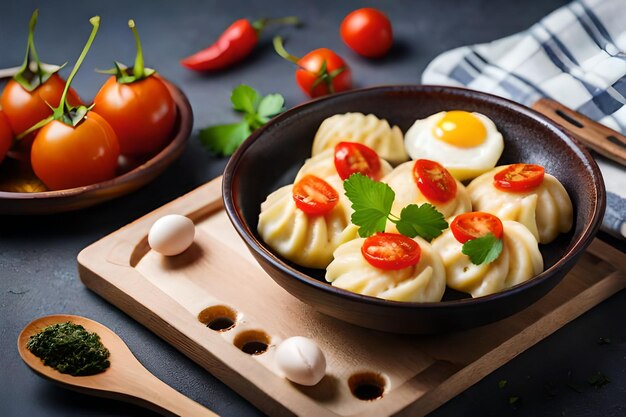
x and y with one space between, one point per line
217 278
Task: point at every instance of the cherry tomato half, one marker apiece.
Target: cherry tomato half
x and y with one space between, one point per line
391 251
434 181
26 108
519 177
353 157
468 226
368 32
314 196
142 113
310 72
66 157
6 135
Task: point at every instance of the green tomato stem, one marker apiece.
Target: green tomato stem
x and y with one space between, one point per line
138 69
280 50
95 22
30 46
261 24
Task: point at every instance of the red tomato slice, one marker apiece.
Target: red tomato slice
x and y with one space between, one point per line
314 196
434 181
468 226
391 251
519 177
352 157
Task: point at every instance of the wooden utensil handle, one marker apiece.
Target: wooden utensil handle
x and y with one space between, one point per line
590 133
150 392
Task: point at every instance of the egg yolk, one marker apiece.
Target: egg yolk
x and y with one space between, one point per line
460 128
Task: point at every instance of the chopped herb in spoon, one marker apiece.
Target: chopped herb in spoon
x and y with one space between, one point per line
70 349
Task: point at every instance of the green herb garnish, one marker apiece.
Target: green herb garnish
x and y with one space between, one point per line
70 349
502 383
257 110
372 201
598 379
483 250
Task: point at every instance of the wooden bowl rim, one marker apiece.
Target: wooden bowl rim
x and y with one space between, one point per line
159 161
574 249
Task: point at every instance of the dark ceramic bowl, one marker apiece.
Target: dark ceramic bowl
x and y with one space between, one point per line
272 156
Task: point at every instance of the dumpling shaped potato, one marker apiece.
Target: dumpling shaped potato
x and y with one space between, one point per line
519 261
307 240
422 282
323 165
545 210
369 130
403 183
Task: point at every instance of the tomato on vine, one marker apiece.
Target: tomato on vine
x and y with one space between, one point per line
320 72
138 106
74 146
27 97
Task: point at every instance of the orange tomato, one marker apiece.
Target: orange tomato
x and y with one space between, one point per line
141 113
6 135
63 156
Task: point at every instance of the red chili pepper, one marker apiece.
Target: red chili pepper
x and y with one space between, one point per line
236 43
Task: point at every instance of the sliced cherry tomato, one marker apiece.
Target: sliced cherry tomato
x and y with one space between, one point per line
63 156
314 196
6 135
519 178
353 157
468 226
434 181
320 72
391 251
368 32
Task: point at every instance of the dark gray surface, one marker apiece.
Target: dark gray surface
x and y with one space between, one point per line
38 254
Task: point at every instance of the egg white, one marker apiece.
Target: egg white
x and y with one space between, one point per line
463 163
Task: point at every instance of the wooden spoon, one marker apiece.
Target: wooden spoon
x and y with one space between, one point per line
126 379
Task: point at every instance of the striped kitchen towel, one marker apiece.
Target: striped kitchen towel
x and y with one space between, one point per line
574 56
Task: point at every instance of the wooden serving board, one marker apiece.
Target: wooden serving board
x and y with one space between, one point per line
419 373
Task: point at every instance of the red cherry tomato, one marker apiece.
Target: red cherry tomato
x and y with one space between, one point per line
6 135
63 156
368 32
142 113
434 181
519 177
311 70
468 226
353 157
314 196
391 251
26 108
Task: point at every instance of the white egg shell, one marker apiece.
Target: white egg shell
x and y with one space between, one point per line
301 360
171 235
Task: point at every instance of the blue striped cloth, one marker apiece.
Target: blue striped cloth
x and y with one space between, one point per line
574 56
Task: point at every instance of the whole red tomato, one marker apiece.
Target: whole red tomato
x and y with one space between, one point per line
319 72
6 135
368 32
64 156
25 108
142 113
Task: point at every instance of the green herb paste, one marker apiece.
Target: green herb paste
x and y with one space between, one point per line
70 349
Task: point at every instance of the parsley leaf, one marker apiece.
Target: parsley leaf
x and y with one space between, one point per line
425 221
371 202
484 249
257 110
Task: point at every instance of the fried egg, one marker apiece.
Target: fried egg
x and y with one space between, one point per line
467 144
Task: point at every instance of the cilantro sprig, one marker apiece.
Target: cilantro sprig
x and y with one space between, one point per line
257 110
372 201
483 250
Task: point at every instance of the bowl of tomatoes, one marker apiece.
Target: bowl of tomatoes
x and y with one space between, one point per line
57 153
273 155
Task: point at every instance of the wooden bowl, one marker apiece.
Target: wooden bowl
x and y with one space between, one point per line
274 153
45 202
